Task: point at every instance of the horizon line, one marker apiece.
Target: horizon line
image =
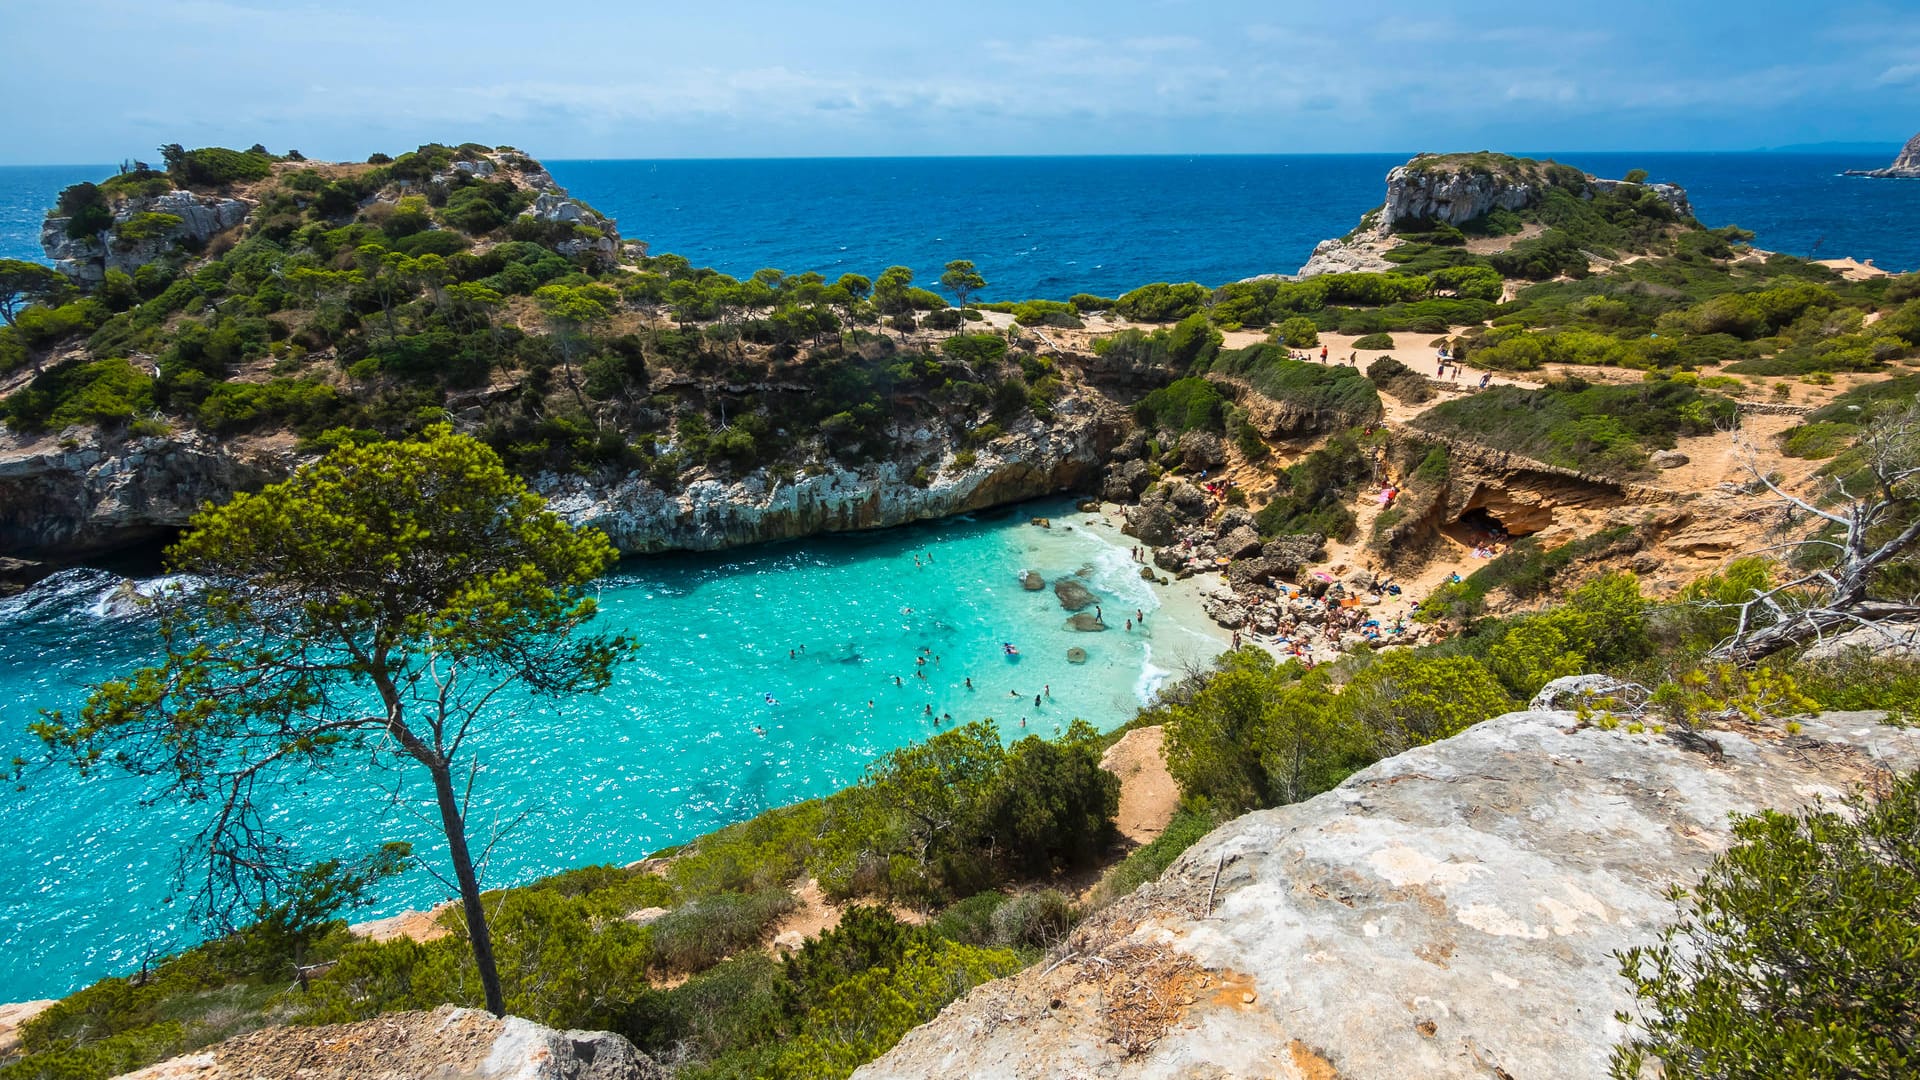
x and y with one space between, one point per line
1841 147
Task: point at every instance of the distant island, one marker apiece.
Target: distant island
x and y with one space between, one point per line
1904 167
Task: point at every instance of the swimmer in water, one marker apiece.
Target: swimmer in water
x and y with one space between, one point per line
1129 624
791 656
1013 693
929 710
760 731
1049 691
1023 721
897 682
969 682
869 703
1036 701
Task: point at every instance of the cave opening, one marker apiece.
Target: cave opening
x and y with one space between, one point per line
1482 524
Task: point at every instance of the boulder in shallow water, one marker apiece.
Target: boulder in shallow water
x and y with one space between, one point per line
1086 622
1076 655
1032 581
1073 595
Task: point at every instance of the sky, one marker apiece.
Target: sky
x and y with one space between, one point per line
101 80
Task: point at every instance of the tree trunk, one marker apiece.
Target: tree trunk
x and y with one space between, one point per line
1760 644
477 931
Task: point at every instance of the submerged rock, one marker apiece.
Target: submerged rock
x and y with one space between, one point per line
1086 623
1073 595
1451 912
1032 581
1076 655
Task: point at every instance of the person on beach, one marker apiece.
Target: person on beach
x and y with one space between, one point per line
1323 354
1485 378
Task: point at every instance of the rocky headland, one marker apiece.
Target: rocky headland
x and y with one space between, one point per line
1906 164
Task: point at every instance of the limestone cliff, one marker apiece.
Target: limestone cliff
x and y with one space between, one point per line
1450 912
439 1045
145 229
68 498
87 493
1034 460
1906 166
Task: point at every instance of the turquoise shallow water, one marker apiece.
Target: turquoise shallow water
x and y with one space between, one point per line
666 754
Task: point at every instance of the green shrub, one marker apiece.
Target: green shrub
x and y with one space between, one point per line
1162 302
1818 441
80 392
1184 829
1298 332
1373 342
1035 920
1191 404
1259 734
700 934
1793 956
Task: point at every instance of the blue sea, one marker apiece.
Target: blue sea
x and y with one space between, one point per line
1044 227
669 752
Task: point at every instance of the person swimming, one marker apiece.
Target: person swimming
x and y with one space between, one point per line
760 731
969 682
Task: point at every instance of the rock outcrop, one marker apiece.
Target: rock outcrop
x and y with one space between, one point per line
1456 189
145 229
444 1044
1450 912
1906 166
705 515
68 498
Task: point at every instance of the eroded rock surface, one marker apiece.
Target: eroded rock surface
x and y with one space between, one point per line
445 1044
1451 912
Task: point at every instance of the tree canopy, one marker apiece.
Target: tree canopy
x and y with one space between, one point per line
367 611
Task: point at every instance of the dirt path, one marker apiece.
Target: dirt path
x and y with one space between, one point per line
1148 795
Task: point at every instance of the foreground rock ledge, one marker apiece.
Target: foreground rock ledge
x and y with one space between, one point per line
1451 912
445 1044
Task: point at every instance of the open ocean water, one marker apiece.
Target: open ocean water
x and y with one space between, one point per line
1042 227
669 752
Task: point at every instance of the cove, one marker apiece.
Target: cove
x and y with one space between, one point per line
667 753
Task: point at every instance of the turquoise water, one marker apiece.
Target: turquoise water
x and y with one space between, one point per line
667 753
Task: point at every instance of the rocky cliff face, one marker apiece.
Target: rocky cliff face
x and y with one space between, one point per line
1035 460
1905 167
1450 912
444 1044
64 499
144 230
1428 189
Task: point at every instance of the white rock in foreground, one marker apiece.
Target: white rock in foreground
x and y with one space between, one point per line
1451 912
445 1044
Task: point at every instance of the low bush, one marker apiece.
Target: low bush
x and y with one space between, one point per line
1793 956
700 934
1373 342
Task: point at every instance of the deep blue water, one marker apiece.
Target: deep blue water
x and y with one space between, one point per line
1050 227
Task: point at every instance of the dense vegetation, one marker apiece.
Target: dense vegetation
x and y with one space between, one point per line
1595 428
366 302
